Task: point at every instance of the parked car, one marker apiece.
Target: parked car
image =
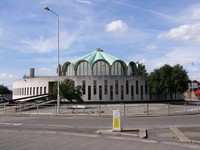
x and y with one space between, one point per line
3 99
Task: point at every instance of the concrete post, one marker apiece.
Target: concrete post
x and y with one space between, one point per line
185 108
99 110
147 109
168 109
124 110
37 109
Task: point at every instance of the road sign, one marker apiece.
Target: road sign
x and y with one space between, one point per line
116 120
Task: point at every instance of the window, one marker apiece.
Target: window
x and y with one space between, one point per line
142 92
95 87
40 90
45 90
27 91
83 85
100 68
100 92
137 90
33 90
84 68
89 92
132 92
70 70
117 69
111 92
127 87
122 92
146 89
30 90
116 87
105 87
37 90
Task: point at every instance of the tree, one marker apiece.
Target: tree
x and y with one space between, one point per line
153 81
69 91
168 80
180 79
142 70
4 90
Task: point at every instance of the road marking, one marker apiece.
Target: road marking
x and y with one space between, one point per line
192 146
131 139
182 145
15 124
78 134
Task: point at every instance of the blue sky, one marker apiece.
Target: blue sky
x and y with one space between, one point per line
155 33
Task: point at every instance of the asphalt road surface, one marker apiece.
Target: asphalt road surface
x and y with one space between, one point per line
79 133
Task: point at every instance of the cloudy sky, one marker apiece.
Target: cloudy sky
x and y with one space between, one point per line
154 33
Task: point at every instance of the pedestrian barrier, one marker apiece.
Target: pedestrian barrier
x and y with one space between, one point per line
141 109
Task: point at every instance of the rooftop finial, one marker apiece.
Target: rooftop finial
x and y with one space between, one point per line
98 49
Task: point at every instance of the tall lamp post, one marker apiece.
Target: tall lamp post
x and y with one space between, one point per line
58 88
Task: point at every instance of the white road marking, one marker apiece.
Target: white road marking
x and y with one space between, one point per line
193 146
15 124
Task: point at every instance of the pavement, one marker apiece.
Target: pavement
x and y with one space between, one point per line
137 132
64 132
186 134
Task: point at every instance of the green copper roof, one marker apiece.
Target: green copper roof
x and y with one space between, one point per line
96 55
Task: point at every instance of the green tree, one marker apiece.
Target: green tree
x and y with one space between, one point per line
142 70
69 91
4 90
180 79
153 81
168 80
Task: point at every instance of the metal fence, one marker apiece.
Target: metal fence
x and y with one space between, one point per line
143 109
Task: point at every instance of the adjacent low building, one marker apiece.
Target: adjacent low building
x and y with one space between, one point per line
102 76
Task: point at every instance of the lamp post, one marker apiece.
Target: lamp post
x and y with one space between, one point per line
58 88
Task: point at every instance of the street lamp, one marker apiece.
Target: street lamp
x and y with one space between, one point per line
58 88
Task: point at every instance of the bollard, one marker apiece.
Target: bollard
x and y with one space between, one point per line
55 111
99 110
185 108
116 121
4 108
168 109
20 106
37 110
124 110
76 110
147 109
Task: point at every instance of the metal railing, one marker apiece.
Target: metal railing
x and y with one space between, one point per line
141 109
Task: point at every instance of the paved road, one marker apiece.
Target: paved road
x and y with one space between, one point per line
74 133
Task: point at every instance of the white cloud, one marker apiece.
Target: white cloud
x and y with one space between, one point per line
151 11
116 26
45 69
84 2
40 45
1 32
191 13
151 47
196 13
183 56
184 32
5 76
45 45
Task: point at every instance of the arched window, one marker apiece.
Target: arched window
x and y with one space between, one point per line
101 68
117 69
84 68
132 69
70 70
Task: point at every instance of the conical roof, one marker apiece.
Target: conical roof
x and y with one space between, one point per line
96 55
